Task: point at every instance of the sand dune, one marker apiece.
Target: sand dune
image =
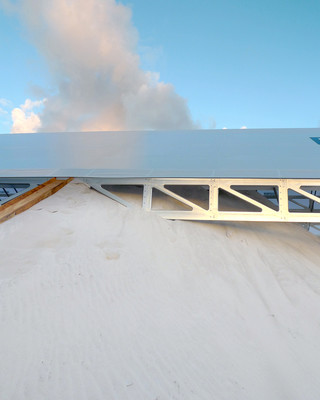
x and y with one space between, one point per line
102 302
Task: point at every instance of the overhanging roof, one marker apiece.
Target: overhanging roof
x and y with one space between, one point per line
251 153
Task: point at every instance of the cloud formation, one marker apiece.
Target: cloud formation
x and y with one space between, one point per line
24 119
91 50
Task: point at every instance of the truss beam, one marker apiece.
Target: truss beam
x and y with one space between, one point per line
10 188
220 199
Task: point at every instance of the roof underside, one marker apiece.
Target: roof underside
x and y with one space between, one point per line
263 153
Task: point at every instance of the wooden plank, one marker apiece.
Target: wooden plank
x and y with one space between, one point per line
28 199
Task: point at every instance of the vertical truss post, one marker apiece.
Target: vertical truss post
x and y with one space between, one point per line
213 199
283 199
147 197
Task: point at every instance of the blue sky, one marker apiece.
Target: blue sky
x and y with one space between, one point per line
238 63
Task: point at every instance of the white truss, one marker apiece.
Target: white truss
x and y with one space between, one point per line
252 199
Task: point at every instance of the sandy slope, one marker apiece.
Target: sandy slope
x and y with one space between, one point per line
101 302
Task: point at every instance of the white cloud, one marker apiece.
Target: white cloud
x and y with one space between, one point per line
24 119
29 104
91 50
244 127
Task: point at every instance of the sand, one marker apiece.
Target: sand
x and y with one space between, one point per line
98 301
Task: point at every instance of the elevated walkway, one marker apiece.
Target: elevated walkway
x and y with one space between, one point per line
236 175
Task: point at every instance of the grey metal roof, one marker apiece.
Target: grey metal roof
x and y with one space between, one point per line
251 153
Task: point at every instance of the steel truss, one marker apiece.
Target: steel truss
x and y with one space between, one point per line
15 187
281 200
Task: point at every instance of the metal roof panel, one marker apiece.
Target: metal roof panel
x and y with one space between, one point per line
250 153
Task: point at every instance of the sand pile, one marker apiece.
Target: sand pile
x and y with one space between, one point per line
102 302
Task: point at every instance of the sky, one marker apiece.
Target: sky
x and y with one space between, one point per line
141 64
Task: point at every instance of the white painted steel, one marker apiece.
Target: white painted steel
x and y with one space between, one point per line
267 213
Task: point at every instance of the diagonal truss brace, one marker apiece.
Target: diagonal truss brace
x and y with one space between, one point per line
15 187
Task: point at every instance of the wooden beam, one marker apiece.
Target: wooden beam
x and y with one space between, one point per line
28 199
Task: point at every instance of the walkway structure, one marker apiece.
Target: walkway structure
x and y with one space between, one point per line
234 175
